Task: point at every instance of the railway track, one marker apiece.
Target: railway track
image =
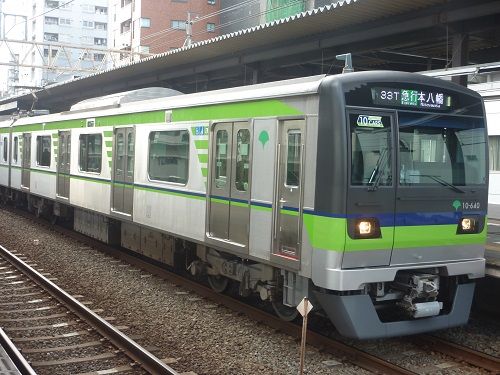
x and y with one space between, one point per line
352 354
56 333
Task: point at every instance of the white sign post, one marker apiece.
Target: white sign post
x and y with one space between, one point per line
304 308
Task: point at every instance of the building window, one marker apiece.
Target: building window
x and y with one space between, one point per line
16 147
43 150
64 21
145 22
88 24
51 4
169 156
125 27
51 20
101 10
178 24
211 27
125 3
98 56
100 41
101 26
211 2
53 52
5 146
90 153
51 37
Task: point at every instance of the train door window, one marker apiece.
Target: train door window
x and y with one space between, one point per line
120 152
293 158
130 153
90 153
221 154
5 146
43 150
242 159
16 148
169 156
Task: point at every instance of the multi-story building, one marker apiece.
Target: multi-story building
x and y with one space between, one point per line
79 23
155 26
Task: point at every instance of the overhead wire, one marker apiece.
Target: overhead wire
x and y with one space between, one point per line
171 41
209 15
39 15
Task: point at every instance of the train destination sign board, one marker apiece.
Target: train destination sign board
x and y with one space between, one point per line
411 98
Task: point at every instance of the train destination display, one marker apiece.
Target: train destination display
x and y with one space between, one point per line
411 98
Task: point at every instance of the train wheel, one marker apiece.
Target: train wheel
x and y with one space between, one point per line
285 313
218 283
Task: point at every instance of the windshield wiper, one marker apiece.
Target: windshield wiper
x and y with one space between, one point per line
443 182
377 174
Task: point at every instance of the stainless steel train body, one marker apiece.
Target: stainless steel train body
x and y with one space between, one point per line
366 191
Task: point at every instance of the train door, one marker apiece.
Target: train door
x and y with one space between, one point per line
229 198
123 171
26 164
63 165
288 205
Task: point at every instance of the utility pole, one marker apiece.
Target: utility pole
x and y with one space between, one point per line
189 31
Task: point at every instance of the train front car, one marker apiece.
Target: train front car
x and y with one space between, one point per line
400 203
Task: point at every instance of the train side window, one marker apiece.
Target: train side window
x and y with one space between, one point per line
16 148
5 146
169 156
90 153
43 150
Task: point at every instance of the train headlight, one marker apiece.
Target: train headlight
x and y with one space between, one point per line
467 225
364 228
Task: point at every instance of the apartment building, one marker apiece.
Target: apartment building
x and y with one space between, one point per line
155 26
79 23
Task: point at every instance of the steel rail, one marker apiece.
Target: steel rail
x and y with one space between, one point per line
133 350
461 353
14 354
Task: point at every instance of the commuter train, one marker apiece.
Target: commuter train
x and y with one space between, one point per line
365 191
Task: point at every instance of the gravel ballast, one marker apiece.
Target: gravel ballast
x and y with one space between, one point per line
193 333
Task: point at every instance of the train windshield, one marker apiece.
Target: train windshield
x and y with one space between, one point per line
441 149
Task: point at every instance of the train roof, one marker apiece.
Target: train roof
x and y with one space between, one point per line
294 87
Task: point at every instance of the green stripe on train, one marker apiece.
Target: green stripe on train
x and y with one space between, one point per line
259 108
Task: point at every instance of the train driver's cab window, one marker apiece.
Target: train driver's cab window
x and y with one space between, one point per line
16 148
370 150
43 150
169 156
90 153
5 147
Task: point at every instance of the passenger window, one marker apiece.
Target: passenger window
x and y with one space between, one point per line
5 146
242 159
43 150
16 147
294 147
90 153
169 156
221 149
